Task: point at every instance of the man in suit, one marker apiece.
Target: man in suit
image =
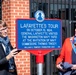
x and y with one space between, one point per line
68 55
7 52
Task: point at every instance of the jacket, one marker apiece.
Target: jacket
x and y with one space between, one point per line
3 62
66 52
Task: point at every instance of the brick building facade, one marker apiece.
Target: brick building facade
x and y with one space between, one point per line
12 10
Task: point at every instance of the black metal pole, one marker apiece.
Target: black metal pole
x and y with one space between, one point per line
70 16
48 64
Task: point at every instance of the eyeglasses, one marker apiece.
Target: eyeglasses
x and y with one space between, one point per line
3 29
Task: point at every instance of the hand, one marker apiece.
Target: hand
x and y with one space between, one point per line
59 67
73 67
12 54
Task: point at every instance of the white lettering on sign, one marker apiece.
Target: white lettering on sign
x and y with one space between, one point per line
38 25
53 25
39 35
33 25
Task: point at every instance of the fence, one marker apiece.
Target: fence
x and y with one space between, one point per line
61 9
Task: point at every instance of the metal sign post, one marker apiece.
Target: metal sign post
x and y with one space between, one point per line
39 61
40 69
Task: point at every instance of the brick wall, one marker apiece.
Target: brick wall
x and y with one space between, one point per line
12 10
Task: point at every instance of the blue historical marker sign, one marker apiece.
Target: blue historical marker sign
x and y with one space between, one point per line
31 34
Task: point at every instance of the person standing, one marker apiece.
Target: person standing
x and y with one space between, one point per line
66 61
7 52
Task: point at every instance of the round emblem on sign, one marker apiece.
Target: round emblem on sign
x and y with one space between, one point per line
39 16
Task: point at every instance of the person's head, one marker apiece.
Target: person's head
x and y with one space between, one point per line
3 29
